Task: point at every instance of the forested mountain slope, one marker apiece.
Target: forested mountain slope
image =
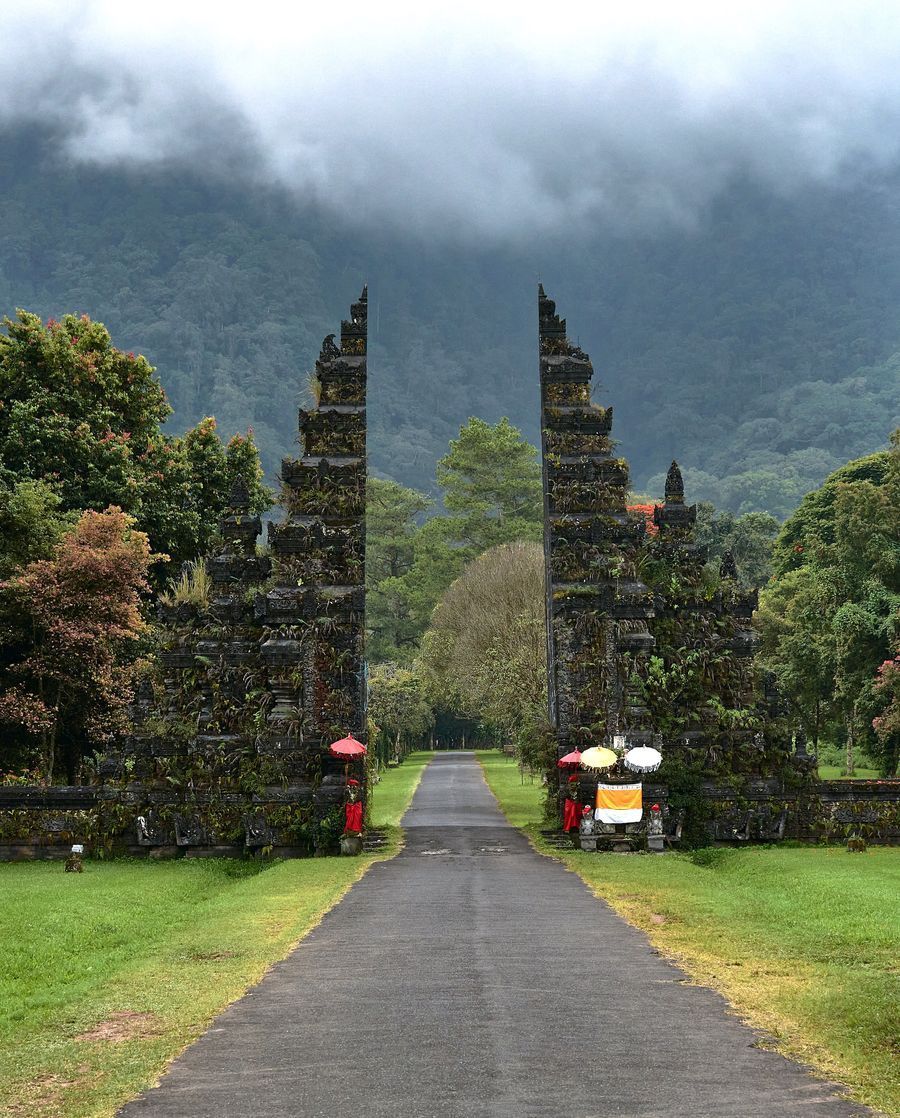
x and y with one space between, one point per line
759 348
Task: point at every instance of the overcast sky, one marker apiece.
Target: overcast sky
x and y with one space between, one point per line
490 120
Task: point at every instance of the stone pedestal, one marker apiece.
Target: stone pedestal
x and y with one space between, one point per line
351 844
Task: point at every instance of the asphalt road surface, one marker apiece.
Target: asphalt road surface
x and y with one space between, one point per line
470 977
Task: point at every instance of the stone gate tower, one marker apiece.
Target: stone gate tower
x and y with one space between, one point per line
316 607
597 608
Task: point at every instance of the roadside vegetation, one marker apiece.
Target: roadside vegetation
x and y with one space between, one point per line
106 976
801 940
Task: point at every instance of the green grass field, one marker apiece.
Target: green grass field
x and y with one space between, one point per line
803 941
836 772
105 976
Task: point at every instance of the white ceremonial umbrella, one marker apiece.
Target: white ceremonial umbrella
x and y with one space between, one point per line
643 759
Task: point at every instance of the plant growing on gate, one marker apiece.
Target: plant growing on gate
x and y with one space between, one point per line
78 614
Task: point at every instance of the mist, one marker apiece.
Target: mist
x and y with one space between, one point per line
485 123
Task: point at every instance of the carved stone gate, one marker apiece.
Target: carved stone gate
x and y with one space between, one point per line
229 747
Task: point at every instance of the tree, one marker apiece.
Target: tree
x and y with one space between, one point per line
392 516
31 524
749 538
492 494
405 604
491 479
814 520
799 645
867 624
76 410
831 615
70 622
181 502
399 707
485 650
492 484
887 723
392 512
86 419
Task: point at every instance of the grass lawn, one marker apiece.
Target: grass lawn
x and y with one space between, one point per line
836 772
107 975
803 941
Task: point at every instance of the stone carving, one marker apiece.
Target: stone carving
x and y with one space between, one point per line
330 349
674 490
728 566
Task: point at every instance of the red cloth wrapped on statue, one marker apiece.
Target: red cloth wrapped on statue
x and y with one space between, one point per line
353 809
354 815
572 808
571 815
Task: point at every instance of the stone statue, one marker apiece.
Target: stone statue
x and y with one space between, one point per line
329 349
728 566
74 863
655 838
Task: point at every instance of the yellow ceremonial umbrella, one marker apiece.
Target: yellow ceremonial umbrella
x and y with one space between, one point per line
598 757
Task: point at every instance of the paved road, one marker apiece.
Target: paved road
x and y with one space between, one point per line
470 977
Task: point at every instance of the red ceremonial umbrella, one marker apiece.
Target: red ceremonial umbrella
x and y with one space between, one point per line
348 749
573 758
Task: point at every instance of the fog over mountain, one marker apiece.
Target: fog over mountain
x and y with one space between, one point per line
708 191
502 121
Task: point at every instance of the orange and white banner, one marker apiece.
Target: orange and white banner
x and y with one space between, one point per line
619 803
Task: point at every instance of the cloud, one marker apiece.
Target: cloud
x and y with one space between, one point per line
485 121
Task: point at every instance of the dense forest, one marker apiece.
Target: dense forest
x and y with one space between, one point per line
760 347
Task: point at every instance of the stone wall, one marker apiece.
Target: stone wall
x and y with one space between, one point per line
818 811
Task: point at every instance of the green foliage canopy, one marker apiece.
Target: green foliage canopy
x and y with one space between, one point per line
748 537
399 707
831 616
68 624
485 651
492 492
491 480
31 523
85 419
